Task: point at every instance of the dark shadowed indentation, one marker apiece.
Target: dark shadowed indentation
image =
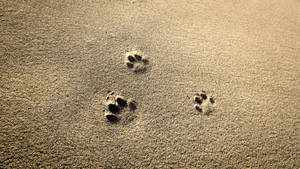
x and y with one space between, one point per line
129 65
140 70
212 100
198 100
122 102
113 108
145 61
111 118
132 106
203 96
198 109
138 57
131 58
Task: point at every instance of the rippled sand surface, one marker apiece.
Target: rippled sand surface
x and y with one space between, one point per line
149 83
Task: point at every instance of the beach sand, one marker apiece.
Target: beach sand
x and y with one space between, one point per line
60 60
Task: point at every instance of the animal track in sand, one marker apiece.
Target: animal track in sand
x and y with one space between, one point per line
136 61
204 103
119 109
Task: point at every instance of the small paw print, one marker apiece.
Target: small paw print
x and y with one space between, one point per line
119 108
136 61
204 103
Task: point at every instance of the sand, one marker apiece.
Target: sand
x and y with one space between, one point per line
59 60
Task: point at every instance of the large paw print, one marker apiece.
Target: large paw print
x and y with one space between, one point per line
116 108
136 61
204 103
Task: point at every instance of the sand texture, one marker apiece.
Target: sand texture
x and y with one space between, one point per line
150 84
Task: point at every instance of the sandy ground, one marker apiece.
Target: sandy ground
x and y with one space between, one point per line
60 58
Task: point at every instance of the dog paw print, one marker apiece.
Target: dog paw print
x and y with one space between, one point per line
119 108
135 61
204 103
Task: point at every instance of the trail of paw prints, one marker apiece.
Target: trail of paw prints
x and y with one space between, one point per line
204 103
136 61
119 109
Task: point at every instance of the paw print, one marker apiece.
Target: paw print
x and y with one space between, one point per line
119 108
136 61
204 103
